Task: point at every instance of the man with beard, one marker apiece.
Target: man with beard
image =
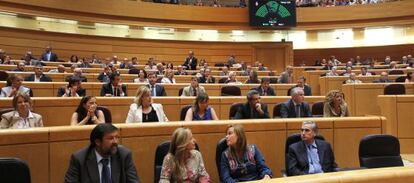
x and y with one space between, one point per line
103 161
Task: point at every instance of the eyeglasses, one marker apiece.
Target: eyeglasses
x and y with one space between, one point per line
305 129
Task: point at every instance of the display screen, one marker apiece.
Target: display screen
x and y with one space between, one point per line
272 13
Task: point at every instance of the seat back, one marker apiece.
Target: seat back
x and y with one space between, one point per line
276 110
400 79
14 170
107 113
394 89
5 110
184 112
221 147
317 109
160 153
180 92
396 72
288 92
376 151
222 80
230 91
3 75
233 109
133 71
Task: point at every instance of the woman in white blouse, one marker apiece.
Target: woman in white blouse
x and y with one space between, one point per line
142 77
143 110
168 77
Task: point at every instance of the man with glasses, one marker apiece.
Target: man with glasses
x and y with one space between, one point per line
253 109
310 155
38 75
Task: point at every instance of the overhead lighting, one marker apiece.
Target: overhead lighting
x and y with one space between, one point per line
237 33
204 31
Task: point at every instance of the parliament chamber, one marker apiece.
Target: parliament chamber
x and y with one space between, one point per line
105 35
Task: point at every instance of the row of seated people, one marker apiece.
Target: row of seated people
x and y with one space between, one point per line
236 160
370 63
408 78
144 110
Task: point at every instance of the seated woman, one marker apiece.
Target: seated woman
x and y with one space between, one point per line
335 105
409 78
168 77
14 86
86 113
241 162
201 110
143 110
21 117
142 77
253 78
232 78
73 89
183 163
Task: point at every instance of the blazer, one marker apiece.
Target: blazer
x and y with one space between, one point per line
192 65
244 112
53 57
62 91
328 111
159 90
188 91
84 168
43 78
287 110
10 119
284 78
269 92
135 113
297 158
205 80
107 89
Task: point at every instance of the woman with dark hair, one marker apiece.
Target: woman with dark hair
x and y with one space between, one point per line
73 89
253 78
21 116
74 59
14 86
183 163
409 78
201 110
169 66
142 77
86 113
241 162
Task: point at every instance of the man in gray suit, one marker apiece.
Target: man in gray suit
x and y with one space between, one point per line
287 76
103 161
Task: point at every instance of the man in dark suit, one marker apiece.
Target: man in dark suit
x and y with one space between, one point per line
114 87
301 82
38 75
49 55
264 89
383 78
253 109
190 61
310 155
156 90
73 89
296 107
103 161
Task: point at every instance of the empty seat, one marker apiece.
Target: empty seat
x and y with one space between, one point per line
400 79
317 109
395 72
222 80
276 110
376 151
106 112
184 112
394 89
3 75
180 92
233 109
230 91
14 170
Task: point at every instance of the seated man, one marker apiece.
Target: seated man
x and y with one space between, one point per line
287 76
264 89
352 79
114 87
20 67
301 83
59 69
207 77
103 160
194 89
38 75
73 89
77 72
296 107
252 109
180 71
383 78
104 75
310 155
156 90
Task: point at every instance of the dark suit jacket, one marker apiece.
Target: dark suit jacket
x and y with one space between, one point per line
62 90
269 92
82 78
297 158
244 112
53 57
159 90
43 78
107 89
287 110
84 168
204 80
192 65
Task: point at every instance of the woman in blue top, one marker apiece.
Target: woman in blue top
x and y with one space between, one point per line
241 162
201 110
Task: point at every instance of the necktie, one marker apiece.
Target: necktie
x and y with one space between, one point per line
106 174
194 92
153 91
297 110
264 92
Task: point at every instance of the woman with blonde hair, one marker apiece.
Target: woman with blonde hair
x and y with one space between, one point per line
183 163
143 110
241 162
335 105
